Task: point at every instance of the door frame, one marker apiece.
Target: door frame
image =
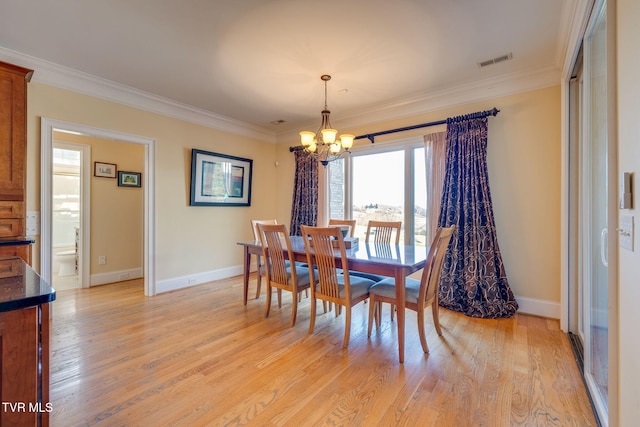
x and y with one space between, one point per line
47 126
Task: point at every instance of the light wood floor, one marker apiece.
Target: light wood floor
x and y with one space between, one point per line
198 357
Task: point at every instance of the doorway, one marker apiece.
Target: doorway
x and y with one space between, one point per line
48 127
70 218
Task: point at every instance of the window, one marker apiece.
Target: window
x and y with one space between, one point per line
385 184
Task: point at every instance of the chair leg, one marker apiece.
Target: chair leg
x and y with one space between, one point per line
280 297
423 338
268 307
347 326
312 319
435 311
259 264
294 308
372 313
259 284
393 311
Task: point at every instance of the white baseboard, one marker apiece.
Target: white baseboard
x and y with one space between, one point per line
533 306
116 276
538 307
197 279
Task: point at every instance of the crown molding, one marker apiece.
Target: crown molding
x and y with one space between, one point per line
575 18
66 78
69 79
467 93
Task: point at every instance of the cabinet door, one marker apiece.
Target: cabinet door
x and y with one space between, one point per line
13 111
19 367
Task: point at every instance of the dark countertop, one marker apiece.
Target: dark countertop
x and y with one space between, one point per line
21 287
12 241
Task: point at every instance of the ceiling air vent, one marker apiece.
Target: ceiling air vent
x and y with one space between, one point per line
495 60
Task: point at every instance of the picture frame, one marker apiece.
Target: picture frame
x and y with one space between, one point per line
219 179
129 179
104 170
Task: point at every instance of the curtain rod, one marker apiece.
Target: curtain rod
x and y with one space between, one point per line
370 136
493 112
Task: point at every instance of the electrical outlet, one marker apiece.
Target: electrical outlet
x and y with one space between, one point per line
102 259
191 281
123 276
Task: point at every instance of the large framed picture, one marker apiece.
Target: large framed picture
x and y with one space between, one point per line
220 180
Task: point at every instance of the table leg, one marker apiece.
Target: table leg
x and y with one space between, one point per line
247 266
400 302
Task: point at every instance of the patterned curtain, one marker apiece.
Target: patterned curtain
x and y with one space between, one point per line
304 209
473 279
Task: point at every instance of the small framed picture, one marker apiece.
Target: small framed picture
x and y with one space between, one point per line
105 170
129 179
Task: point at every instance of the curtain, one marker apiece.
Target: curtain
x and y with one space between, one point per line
304 209
473 279
435 162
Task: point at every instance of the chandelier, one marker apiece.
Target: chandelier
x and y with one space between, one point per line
323 144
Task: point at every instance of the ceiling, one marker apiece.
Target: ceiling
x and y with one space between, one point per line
253 62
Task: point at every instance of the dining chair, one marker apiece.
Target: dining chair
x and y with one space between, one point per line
344 290
383 231
419 293
350 222
260 265
280 273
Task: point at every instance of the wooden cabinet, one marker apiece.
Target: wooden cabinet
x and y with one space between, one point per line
13 147
25 335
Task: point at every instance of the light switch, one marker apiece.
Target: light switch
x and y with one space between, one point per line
33 223
626 232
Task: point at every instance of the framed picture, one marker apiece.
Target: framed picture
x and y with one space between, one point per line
220 180
106 170
129 179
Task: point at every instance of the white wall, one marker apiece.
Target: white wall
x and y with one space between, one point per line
628 58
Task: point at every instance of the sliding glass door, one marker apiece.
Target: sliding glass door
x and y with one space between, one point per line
594 221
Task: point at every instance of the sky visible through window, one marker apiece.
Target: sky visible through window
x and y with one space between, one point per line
379 178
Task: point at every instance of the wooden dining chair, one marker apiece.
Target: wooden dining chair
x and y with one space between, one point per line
344 290
260 264
350 222
383 235
280 273
383 231
419 293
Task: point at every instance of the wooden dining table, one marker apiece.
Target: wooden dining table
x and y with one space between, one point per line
396 261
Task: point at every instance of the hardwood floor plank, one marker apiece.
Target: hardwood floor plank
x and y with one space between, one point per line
199 357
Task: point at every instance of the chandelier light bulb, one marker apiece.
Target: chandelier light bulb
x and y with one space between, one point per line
306 138
346 139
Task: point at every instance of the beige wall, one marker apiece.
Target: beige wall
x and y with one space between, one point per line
524 173
190 240
628 57
116 212
524 165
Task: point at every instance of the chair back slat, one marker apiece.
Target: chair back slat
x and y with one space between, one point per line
433 267
383 231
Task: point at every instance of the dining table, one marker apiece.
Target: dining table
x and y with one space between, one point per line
397 261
